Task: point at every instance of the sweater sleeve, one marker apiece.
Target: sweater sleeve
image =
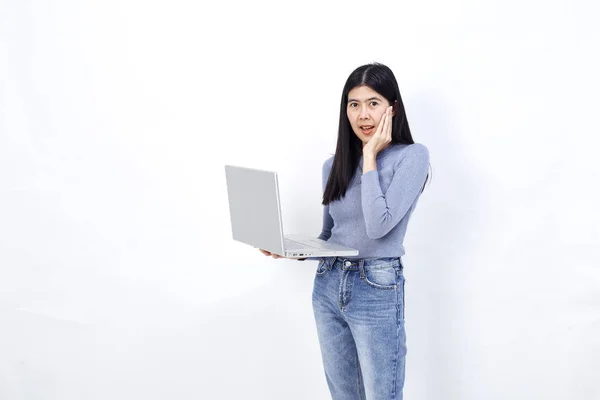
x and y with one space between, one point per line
383 211
327 224
327 219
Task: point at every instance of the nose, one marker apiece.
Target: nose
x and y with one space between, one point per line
364 113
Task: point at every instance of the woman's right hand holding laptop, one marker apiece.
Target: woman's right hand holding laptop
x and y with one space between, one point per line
268 253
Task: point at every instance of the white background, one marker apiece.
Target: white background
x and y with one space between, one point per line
118 275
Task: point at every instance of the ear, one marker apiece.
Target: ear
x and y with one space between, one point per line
395 107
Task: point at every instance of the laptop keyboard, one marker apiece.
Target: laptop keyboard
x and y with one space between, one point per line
290 244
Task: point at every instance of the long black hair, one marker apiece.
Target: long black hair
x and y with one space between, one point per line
348 151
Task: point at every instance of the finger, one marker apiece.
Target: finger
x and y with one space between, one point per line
381 127
385 123
389 125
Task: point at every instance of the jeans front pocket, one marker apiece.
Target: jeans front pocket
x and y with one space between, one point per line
382 276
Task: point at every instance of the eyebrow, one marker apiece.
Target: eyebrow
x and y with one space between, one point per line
369 99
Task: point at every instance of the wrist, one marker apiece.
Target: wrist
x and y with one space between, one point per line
369 155
369 163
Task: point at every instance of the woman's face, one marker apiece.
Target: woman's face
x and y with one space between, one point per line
365 109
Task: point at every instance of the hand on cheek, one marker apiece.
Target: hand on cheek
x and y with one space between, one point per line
383 135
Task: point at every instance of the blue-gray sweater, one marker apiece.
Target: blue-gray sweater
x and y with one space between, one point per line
373 215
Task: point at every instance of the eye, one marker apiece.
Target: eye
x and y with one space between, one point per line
374 103
351 105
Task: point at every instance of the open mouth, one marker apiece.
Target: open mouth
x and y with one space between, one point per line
367 129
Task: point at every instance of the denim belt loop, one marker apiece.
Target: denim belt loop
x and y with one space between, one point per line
361 267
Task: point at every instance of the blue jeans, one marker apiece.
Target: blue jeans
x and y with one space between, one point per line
359 313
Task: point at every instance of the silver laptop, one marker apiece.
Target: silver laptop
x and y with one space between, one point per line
255 212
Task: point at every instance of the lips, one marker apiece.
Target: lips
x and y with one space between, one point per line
366 129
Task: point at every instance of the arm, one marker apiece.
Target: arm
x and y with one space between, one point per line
327 224
327 219
383 212
326 231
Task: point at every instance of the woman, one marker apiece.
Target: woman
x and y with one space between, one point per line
371 187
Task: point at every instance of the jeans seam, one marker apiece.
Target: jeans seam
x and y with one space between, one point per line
358 377
403 299
341 290
395 369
